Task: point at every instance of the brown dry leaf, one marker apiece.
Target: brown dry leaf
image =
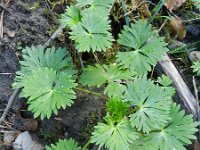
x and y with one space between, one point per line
174 4
177 28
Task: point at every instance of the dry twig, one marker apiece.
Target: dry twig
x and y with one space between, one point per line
4 6
9 105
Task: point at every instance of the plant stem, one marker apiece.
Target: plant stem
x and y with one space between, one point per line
125 12
56 33
86 145
91 92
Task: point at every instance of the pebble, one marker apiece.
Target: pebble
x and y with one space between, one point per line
9 137
194 56
27 141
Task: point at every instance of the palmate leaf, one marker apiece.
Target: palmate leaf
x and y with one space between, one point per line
111 74
38 57
114 137
71 16
48 91
92 33
152 104
114 89
70 144
164 81
175 135
147 46
196 67
100 6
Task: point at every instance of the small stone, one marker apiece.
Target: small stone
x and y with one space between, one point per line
194 56
9 137
175 44
27 141
11 33
193 32
66 135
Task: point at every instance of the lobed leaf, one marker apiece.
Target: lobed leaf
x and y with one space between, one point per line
164 81
91 6
114 89
37 57
178 132
92 33
71 17
70 144
114 137
147 47
111 74
196 67
152 104
48 91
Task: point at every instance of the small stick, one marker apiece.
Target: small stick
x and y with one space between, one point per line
195 88
80 58
9 105
163 24
96 57
197 101
1 25
56 33
6 73
1 18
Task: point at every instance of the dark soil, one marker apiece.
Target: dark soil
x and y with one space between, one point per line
22 26
25 25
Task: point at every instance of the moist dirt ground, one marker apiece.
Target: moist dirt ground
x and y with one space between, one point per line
26 23
31 22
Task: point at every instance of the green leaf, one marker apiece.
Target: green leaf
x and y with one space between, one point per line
116 109
37 57
92 33
94 76
70 144
196 67
99 74
91 6
181 126
164 80
48 91
197 3
152 104
114 89
114 136
71 17
146 45
178 132
111 74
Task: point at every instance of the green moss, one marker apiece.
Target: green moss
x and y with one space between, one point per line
36 5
